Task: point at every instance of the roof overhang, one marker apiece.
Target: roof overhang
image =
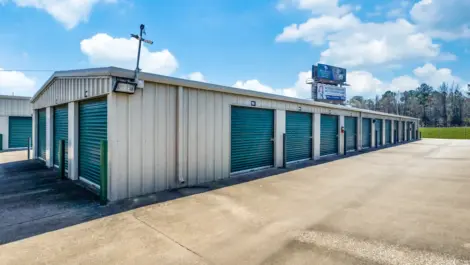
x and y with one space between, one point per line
14 97
125 73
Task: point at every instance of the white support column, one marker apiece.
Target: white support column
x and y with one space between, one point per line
372 127
179 140
279 130
73 140
406 132
316 135
341 142
359 132
383 131
35 134
400 129
49 137
392 126
4 130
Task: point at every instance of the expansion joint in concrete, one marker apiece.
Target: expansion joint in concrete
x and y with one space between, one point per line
173 240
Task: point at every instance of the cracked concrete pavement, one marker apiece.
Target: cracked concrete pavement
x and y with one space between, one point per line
402 205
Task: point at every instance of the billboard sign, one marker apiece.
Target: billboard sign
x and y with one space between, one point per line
330 73
330 92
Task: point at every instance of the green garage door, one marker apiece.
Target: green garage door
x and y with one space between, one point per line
61 132
252 135
328 135
395 131
403 130
93 128
20 130
379 131
350 125
366 133
42 133
413 131
298 136
388 132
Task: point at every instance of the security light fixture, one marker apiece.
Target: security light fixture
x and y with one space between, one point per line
124 86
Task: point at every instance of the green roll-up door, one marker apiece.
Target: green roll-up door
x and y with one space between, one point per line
20 130
252 134
42 133
366 133
378 129
395 131
413 131
93 127
61 132
328 135
403 130
350 125
298 136
388 132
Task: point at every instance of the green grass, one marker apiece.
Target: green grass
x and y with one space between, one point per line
446 133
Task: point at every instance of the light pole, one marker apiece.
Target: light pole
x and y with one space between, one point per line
139 37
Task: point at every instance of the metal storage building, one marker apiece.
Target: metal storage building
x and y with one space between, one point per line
15 122
176 133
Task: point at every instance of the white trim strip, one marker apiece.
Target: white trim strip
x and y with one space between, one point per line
250 170
299 161
86 181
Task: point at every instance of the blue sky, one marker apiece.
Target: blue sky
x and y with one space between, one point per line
264 45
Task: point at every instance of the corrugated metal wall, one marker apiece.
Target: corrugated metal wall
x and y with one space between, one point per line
142 136
142 141
15 107
67 89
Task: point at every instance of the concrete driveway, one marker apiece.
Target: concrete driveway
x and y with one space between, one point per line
403 205
33 200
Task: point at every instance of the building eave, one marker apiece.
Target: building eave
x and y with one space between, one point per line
125 73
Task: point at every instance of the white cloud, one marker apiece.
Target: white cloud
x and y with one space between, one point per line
444 19
353 43
299 90
326 7
196 76
17 83
68 12
404 82
104 50
315 30
255 85
433 76
363 83
397 9
379 43
396 12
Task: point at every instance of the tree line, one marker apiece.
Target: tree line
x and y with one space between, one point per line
448 105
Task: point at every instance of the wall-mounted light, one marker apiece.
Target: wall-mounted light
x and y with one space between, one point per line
124 86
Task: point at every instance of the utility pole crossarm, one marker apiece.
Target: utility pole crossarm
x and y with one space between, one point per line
139 37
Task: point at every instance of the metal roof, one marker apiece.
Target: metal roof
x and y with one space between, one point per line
125 73
14 97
